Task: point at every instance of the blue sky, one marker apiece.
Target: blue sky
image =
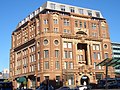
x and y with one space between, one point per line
13 11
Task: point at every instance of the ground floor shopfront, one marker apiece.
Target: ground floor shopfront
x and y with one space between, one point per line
57 79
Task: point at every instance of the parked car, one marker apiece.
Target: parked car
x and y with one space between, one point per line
82 87
111 83
63 88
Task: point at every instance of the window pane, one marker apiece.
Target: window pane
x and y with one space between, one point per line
56 53
98 55
71 65
69 45
65 44
57 65
94 55
46 65
65 54
46 53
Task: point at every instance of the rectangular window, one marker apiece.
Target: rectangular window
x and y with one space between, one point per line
80 57
80 24
72 9
65 45
55 21
45 21
55 30
38 66
46 77
89 12
98 55
66 22
94 26
95 55
69 45
46 65
62 8
57 53
106 55
57 65
97 14
46 53
85 26
71 65
97 47
52 5
81 11
70 54
45 30
38 55
65 65
76 23
65 54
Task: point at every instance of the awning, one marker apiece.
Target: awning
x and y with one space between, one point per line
21 79
110 62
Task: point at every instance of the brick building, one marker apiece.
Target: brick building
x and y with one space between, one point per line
59 42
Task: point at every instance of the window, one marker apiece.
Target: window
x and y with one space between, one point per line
70 54
72 9
46 65
67 31
46 53
56 42
66 22
65 65
45 30
65 44
57 65
81 11
55 21
94 34
106 55
97 47
46 77
62 8
97 14
94 26
69 45
55 30
98 55
65 54
52 5
45 41
85 25
80 24
76 23
89 12
57 53
71 65
38 55
105 46
45 21
80 57
38 66
95 55
104 35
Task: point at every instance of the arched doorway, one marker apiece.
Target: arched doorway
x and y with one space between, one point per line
84 80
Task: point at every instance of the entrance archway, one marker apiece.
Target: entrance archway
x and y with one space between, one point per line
84 80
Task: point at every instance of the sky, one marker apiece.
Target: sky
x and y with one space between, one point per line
13 11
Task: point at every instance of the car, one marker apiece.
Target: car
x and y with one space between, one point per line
64 88
82 87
